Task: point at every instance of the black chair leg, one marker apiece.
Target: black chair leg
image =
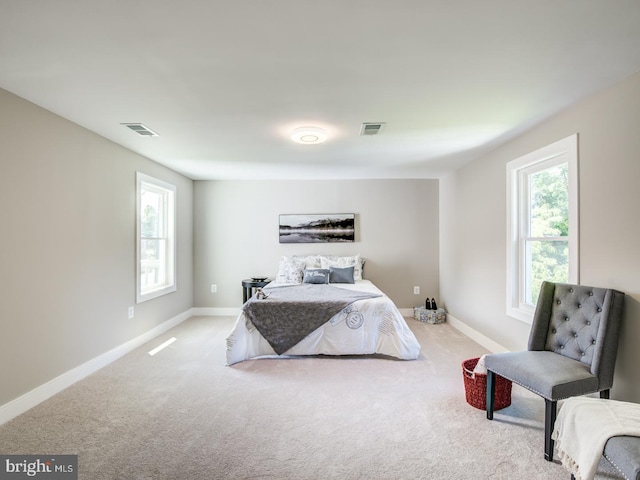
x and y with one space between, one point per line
550 410
491 393
605 394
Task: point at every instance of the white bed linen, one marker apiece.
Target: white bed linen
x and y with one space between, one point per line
382 331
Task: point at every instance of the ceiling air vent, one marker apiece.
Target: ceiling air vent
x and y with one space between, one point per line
140 129
371 128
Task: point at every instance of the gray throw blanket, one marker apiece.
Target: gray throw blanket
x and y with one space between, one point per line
290 313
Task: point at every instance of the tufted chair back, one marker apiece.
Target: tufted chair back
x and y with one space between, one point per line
581 323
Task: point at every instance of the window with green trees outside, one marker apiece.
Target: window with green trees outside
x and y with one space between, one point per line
542 223
546 240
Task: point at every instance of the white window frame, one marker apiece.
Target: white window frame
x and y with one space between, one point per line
562 151
168 191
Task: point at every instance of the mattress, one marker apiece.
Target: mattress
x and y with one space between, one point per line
367 326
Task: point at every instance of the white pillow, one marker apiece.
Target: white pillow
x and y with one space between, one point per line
290 270
312 261
342 262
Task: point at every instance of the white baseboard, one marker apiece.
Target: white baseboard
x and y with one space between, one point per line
476 336
216 311
462 327
39 394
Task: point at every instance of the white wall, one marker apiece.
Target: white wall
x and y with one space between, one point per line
67 246
473 226
236 233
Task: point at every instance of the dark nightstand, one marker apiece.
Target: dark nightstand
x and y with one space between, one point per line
249 284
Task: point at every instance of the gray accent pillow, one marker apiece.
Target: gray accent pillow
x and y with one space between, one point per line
341 275
316 275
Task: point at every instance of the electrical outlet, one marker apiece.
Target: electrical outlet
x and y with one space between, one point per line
130 313
416 290
214 288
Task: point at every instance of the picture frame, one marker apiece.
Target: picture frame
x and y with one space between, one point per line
317 228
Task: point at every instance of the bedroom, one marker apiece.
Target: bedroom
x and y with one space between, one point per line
68 257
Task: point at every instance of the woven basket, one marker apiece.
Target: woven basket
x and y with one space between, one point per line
475 387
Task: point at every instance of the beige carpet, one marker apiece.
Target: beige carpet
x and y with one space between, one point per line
182 414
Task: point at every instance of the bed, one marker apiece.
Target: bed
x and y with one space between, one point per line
320 305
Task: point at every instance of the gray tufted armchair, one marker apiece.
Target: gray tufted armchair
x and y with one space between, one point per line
572 349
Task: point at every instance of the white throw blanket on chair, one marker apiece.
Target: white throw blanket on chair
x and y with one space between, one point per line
583 426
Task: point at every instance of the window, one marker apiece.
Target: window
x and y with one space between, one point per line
542 223
156 235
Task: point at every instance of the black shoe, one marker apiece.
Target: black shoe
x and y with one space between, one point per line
427 304
434 306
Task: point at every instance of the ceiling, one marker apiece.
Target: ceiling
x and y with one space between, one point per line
224 83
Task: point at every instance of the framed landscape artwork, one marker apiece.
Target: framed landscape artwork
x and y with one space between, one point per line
324 228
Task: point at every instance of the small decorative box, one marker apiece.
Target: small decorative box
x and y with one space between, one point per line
430 316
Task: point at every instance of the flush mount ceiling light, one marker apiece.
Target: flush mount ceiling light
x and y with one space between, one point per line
309 135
